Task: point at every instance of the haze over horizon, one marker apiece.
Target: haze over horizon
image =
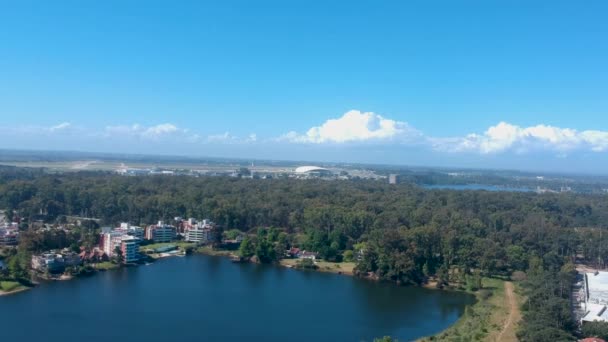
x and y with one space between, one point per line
513 85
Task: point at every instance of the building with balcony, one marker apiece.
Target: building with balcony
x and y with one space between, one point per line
161 232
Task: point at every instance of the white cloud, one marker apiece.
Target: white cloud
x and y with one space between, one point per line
162 129
59 127
354 126
150 132
505 136
224 137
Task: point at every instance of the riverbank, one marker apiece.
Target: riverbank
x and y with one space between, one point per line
11 287
494 316
346 268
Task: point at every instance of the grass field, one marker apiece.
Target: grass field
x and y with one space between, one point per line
326 266
11 286
494 317
106 265
208 250
180 244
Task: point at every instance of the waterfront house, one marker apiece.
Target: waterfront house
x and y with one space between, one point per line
308 255
293 252
53 262
95 255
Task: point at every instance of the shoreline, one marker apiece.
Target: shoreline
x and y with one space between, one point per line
18 290
323 267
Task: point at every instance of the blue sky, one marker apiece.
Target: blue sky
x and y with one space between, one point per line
515 84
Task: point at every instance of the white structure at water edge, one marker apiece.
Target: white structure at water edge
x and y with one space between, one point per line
596 297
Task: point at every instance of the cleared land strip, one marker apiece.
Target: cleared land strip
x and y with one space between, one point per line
508 330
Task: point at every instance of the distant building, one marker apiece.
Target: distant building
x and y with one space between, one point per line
9 235
130 249
128 229
312 171
111 240
308 255
204 231
393 178
55 262
121 240
161 232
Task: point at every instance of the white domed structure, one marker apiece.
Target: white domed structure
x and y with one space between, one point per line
313 171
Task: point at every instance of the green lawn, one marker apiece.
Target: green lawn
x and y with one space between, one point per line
106 265
208 250
181 244
8 286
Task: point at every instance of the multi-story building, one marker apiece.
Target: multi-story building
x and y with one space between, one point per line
121 240
204 231
55 262
161 232
130 248
128 229
9 236
111 240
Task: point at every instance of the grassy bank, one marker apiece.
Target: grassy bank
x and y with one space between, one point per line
7 287
491 318
106 265
208 250
325 266
180 244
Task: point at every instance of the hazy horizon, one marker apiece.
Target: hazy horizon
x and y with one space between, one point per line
470 84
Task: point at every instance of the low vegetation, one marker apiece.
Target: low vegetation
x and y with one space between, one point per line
106 265
481 319
9 286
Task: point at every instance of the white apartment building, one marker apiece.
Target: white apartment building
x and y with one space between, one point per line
200 232
128 229
128 244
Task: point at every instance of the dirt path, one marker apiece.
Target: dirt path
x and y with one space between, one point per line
508 330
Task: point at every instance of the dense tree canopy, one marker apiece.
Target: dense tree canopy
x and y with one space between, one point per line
401 233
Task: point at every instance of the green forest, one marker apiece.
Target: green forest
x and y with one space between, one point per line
400 233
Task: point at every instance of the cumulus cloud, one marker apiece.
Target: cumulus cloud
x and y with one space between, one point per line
149 132
505 136
354 126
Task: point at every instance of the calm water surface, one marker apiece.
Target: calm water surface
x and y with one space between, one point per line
201 298
475 187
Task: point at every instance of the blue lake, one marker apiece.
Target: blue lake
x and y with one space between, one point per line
475 187
202 298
